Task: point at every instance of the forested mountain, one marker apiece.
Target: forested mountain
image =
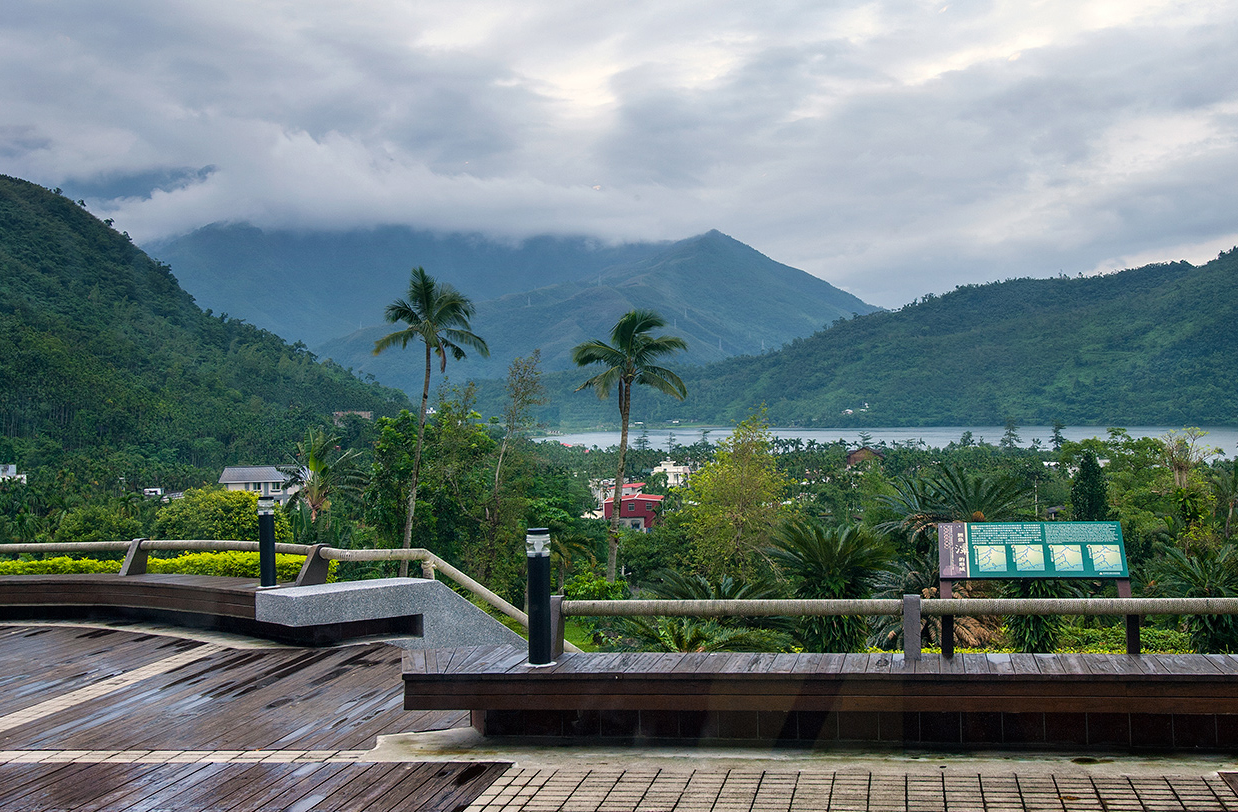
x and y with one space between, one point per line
1156 345
316 286
723 297
109 366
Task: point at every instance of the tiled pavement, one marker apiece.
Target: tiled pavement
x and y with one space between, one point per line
539 790
51 702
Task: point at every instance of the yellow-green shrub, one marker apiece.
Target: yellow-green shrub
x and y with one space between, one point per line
227 564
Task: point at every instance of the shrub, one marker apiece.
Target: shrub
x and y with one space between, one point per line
215 515
59 565
229 564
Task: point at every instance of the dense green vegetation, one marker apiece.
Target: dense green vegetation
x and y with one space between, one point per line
1150 346
113 376
808 526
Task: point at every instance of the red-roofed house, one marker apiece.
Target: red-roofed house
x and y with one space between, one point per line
640 511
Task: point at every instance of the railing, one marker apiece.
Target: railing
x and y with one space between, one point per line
314 571
911 607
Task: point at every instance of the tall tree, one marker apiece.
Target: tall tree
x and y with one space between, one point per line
1089 495
734 502
631 358
437 315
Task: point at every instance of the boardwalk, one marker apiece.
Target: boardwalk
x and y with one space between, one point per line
110 719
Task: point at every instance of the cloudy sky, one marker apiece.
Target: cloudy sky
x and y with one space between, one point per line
893 148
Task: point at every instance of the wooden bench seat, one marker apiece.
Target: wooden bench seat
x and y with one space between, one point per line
1149 700
197 601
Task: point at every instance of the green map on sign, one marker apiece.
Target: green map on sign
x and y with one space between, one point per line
1032 550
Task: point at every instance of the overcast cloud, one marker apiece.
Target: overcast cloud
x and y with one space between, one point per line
893 148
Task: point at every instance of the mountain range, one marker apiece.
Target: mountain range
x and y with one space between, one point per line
1155 345
723 297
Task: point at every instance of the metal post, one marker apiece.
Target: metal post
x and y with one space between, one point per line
266 540
537 550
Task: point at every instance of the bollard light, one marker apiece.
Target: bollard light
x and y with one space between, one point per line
266 540
537 550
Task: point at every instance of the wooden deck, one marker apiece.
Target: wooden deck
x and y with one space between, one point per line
1160 701
243 787
226 699
123 720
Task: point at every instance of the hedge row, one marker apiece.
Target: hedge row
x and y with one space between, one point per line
229 564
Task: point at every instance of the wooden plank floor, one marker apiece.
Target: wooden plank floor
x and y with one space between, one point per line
243 787
231 699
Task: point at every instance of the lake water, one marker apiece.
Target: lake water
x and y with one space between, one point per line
1225 437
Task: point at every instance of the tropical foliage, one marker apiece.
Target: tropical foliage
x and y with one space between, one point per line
437 315
632 358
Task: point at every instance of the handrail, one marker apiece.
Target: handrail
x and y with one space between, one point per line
148 544
423 555
912 608
878 606
430 561
730 608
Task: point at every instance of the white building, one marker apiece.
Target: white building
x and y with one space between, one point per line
676 475
9 471
264 480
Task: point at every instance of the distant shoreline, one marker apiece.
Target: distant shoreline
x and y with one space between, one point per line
1224 437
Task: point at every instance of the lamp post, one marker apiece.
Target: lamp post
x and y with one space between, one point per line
266 540
537 550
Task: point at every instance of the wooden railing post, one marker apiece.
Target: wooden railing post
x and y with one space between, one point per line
1133 644
557 626
135 559
946 590
911 627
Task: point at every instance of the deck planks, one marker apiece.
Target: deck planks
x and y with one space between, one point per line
244 787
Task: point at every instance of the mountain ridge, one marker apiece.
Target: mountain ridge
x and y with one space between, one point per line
722 296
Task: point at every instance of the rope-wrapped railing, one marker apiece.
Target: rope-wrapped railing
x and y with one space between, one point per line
911 607
137 548
730 608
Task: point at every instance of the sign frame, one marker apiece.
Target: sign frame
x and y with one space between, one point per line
1019 550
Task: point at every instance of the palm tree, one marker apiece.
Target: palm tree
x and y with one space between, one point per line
321 471
437 315
629 359
949 495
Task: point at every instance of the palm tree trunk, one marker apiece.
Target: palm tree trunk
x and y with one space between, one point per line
612 547
412 491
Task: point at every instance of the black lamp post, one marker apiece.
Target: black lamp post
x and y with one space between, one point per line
537 549
266 540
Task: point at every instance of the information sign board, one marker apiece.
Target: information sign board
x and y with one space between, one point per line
1031 550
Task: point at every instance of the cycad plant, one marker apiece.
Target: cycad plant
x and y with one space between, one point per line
949 495
1209 572
679 586
831 562
695 634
